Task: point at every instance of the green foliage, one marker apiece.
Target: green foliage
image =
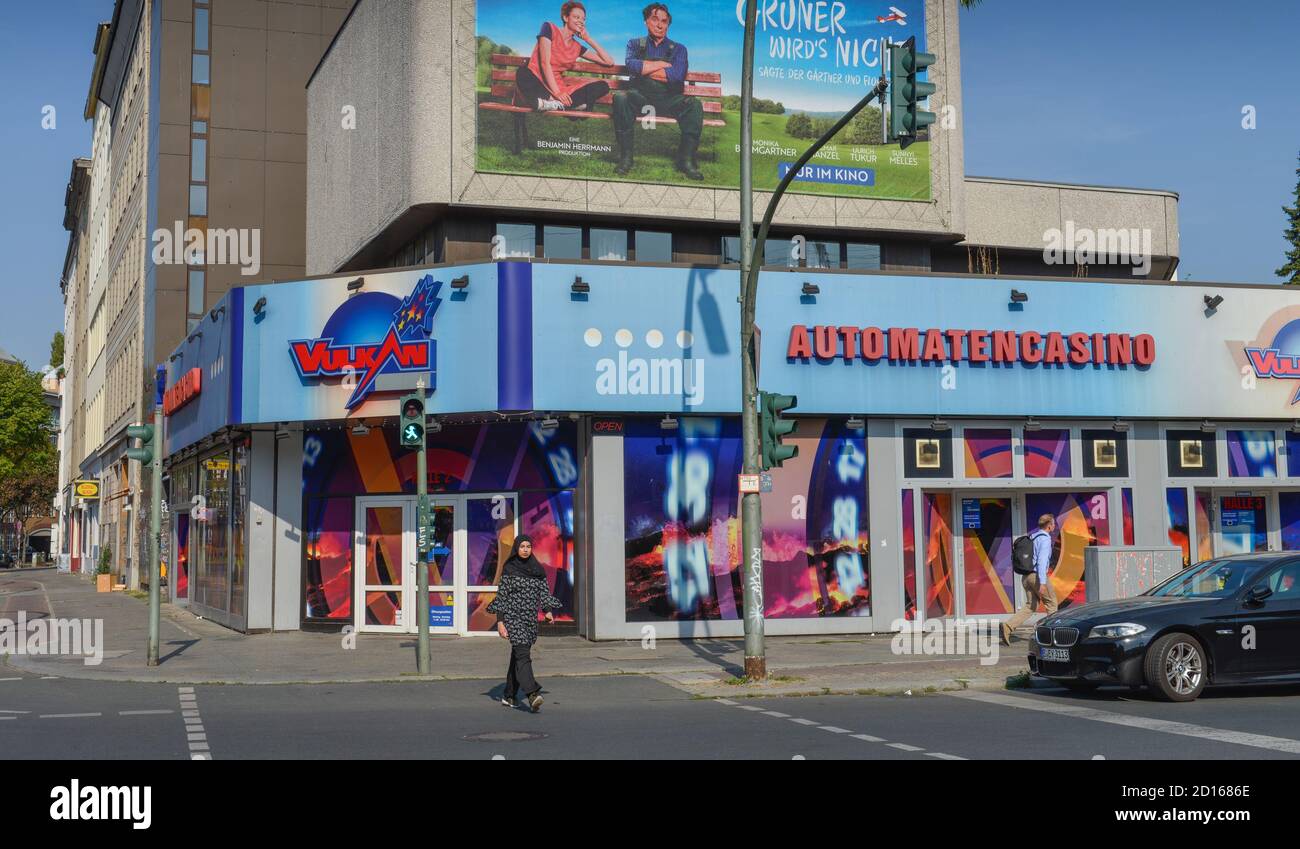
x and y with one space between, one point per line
56 349
1291 270
484 48
26 421
105 561
865 128
800 126
731 103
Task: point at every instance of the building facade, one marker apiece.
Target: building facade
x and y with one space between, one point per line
197 182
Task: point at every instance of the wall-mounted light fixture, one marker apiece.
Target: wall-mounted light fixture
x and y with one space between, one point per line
282 430
198 334
940 424
215 311
668 423
433 426
1121 427
1295 426
1019 297
1208 426
461 282
855 423
1032 423
550 423
580 286
260 306
355 285
1212 302
174 357
360 429
811 288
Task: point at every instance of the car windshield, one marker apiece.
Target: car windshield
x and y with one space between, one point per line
1212 579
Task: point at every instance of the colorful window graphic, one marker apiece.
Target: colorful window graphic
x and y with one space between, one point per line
1288 507
1252 454
986 556
182 555
1127 495
1176 521
1243 523
1293 454
988 453
1204 533
1082 519
1047 454
909 554
328 591
939 597
682 530
547 517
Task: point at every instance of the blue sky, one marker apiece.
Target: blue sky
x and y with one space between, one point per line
1138 94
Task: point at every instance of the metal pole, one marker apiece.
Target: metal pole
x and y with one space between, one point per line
751 511
155 534
423 545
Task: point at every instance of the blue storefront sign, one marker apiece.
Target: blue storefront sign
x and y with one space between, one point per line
970 513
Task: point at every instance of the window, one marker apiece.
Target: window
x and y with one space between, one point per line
609 244
1191 453
779 252
200 29
731 250
654 247
198 200
198 160
562 242
195 299
862 257
1105 453
928 453
516 240
823 255
199 73
200 127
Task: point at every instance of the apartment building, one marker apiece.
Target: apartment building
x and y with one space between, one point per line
199 131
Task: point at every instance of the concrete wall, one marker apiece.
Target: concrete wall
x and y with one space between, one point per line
410 77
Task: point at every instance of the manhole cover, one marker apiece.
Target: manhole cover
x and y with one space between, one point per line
504 737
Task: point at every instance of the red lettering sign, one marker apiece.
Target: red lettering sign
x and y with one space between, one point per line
183 391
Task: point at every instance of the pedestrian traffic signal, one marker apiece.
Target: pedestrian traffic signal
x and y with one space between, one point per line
142 453
906 119
412 424
774 428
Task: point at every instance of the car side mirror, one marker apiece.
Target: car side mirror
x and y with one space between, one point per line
1258 593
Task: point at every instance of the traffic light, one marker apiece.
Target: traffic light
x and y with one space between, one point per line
142 453
412 425
906 119
774 428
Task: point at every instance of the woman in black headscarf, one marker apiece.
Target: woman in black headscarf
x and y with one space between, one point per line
522 592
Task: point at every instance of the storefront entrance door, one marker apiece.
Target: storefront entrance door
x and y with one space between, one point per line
988 582
472 536
1242 522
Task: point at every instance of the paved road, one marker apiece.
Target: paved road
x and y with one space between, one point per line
622 717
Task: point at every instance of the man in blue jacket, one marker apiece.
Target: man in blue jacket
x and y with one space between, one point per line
658 66
1037 586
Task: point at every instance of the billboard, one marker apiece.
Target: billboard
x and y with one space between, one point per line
651 93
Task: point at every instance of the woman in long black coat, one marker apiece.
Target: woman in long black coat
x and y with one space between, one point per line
521 593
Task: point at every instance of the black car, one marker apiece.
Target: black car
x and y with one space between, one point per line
1231 620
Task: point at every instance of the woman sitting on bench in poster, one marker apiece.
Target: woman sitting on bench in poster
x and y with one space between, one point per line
542 85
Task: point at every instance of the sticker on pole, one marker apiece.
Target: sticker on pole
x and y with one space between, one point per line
750 484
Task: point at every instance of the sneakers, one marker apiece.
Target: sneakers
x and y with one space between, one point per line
535 701
548 105
506 701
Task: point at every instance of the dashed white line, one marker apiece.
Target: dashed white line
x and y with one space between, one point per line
10 679
867 738
777 714
724 701
944 757
143 712
904 747
195 736
69 715
749 707
802 721
833 729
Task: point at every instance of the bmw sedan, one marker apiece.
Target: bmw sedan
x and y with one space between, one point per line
1231 620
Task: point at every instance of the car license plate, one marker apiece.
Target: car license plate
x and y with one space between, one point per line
1058 655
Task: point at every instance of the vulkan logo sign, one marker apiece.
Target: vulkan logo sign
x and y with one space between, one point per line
373 334
1276 352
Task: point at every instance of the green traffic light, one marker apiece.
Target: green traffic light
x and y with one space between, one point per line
412 422
773 428
906 119
143 453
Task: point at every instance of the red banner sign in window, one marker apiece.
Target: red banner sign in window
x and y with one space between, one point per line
183 391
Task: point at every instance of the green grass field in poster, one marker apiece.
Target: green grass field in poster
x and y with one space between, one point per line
719 155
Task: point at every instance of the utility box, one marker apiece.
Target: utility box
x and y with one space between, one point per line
1115 571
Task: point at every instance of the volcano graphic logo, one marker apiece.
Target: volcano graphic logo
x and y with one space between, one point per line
371 334
1279 359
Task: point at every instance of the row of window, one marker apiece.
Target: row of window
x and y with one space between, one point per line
200 103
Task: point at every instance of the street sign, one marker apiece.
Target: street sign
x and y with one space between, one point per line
750 483
766 482
423 525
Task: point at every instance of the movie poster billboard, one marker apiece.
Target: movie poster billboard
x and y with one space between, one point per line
649 92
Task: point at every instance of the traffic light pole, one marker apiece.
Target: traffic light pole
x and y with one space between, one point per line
751 253
421 551
155 537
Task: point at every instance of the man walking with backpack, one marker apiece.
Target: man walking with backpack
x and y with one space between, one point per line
1030 557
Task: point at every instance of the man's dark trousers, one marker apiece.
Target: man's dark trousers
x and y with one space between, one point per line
668 102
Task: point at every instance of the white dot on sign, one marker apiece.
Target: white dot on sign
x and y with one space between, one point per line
623 338
685 338
592 337
654 339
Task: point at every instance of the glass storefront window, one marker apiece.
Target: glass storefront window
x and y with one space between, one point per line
562 242
517 239
1047 454
328 590
654 247
909 555
988 453
212 587
939 597
779 252
1082 519
608 245
863 257
239 531
1177 524
1252 454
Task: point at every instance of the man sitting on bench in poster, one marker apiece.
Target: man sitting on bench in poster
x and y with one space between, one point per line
658 66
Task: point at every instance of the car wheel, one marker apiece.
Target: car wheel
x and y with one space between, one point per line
1175 668
1080 686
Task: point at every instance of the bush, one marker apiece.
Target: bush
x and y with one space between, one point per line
800 126
105 562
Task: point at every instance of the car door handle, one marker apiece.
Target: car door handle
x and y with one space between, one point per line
1228 631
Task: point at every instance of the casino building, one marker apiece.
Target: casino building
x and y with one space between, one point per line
577 340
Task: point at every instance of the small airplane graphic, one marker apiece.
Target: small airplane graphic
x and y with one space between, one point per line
896 14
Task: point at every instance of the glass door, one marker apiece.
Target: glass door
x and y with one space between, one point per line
1241 525
385 552
987 530
442 567
490 526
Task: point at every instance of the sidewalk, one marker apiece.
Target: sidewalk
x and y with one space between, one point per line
194 650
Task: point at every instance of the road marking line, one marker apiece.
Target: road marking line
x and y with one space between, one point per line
68 715
943 757
143 712
193 720
198 757
49 678
905 747
724 701
196 738
867 738
185 689
833 729
10 679
777 714
1184 729
749 707
802 721
2 718
189 713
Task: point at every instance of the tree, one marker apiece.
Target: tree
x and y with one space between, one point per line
800 126
30 490
1291 270
56 353
28 465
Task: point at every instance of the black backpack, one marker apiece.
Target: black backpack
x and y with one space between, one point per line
1022 555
